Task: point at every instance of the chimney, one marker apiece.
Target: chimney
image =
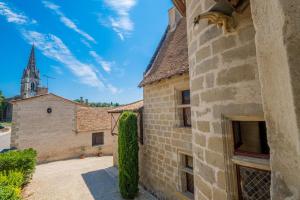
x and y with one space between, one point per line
174 18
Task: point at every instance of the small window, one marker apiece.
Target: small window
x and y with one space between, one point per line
97 139
32 87
186 110
186 97
188 175
250 138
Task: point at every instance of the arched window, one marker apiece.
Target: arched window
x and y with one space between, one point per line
32 87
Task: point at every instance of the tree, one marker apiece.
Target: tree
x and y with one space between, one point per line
128 149
2 105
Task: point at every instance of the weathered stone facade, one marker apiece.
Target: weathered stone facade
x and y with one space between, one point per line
164 139
55 135
224 83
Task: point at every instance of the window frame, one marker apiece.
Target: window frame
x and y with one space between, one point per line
181 107
184 170
243 152
233 161
94 143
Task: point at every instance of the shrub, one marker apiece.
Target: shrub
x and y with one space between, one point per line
128 155
23 161
10 193
13 178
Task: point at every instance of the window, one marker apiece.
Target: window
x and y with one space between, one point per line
250 138
187 175
185 96
185 109
97 139
248 171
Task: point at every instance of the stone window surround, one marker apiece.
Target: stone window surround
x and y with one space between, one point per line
231 161
182 194
178 105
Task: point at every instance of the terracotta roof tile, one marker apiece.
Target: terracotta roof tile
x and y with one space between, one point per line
135 106
171 58
92 119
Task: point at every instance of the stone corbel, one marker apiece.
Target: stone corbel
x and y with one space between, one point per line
222 14
227 23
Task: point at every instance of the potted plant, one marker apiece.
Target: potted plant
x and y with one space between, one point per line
82 149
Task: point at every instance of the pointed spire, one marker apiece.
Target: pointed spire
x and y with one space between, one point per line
31 62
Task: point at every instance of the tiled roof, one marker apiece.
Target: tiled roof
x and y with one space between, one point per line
172 56
136 106
92 119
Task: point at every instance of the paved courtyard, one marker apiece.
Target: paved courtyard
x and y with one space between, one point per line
5 139
78 179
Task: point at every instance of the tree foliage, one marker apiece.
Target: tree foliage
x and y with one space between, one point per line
128 155
99 104
2 105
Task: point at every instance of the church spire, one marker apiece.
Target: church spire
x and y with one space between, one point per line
31 77
31 61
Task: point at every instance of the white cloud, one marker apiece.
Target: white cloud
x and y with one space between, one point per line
113 89
57 70
67 21
13 16
106 65
121 23
53 47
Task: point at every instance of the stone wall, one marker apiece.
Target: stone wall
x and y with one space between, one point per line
277 25
164 140
54 134
224 82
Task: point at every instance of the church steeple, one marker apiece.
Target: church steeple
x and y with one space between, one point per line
31 61
31 77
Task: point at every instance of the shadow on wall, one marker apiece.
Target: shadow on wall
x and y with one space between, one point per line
102 184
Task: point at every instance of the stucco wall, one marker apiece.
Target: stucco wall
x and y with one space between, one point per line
52 135
224 82
164 140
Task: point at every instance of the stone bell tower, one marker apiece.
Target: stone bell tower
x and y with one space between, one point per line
31 78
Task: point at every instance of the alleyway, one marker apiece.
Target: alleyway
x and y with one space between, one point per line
77 179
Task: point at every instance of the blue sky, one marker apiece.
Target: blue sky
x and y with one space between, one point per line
97 49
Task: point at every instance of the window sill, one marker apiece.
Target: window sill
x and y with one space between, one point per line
183 106
183 127
100 145
257 163
185 196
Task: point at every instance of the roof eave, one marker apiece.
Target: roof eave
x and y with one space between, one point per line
181 6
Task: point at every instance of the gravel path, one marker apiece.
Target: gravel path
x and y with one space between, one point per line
78 179
5 140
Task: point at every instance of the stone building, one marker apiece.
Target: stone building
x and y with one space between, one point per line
166 167
59 128
30 86
244 89
30 82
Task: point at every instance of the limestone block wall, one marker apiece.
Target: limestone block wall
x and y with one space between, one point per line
224 82
164 140
53 135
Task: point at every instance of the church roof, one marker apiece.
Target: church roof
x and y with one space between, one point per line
171 56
